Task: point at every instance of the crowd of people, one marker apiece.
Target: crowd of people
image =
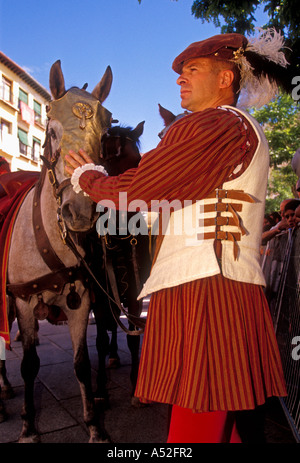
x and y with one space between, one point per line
287 218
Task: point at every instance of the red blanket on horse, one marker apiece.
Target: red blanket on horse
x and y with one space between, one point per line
13 188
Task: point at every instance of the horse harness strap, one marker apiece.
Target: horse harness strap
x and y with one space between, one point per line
140 322
137 321
42 241
54 282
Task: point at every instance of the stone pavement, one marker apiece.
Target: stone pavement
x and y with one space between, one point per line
58 402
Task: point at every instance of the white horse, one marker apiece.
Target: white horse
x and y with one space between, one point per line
44 272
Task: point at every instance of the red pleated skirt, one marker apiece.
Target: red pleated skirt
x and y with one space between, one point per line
209 345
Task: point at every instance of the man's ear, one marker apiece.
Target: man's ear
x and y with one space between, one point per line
226 78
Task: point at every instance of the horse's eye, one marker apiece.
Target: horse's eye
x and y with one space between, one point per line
52 134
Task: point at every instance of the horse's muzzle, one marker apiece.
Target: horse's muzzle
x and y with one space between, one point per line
77 221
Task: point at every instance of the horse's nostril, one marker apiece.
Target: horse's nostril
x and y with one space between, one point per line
68 212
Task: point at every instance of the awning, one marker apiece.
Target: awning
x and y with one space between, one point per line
23 137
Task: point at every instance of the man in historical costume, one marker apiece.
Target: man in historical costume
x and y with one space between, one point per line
209 347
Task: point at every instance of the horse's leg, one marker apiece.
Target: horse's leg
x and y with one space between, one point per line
6 390
3 415
102 345
78 321
37 341
133 342
114 359
29 369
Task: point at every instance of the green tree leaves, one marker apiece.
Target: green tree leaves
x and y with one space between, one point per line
280 120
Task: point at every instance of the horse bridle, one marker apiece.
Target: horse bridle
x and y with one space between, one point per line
58 189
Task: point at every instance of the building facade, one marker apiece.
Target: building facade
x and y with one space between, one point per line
22 116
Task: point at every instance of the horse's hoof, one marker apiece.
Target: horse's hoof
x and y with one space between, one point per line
136 403
98 437
95 440
114 363
32 439
7 392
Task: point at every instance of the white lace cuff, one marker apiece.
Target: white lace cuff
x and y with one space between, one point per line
77 173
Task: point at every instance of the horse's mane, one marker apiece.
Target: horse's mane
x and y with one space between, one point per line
124 132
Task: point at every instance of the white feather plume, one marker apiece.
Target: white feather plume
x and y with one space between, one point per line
257 92
268 43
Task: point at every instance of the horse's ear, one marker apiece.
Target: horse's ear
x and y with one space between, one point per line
102 89
167 115
138 130
57 81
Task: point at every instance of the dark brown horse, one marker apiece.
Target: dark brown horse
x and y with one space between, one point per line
125 265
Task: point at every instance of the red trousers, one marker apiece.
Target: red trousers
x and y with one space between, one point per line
209 427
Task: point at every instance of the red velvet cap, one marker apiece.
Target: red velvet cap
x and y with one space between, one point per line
221 46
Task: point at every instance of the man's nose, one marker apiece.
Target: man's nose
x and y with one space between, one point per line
181 79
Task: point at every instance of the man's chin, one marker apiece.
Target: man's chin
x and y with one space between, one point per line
184 104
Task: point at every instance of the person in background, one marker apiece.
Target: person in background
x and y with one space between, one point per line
297 188
280 226
275 217
209 347
290 212
295 163
268 223
297 214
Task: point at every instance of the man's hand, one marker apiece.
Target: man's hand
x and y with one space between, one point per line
282 225
75 160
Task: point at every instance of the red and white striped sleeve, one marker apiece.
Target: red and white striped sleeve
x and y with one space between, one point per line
198 153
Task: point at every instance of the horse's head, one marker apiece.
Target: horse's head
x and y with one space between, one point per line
77 120
120 148
169 118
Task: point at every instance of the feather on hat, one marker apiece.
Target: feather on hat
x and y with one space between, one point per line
263 68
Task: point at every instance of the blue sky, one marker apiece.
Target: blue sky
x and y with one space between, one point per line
139 42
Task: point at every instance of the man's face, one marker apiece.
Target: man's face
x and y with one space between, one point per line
199 84
290 217
282 206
